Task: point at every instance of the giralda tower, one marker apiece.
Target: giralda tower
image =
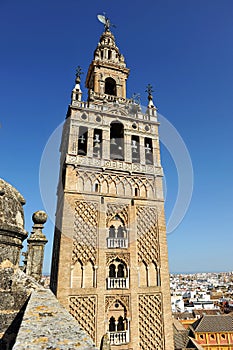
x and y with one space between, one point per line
110 264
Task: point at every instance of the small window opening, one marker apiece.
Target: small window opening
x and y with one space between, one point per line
112 270
96 187
112 324
136 192
109 54
120 271
112 232
120 324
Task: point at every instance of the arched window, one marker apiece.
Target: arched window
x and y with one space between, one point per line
112 324
117 141
112 270
120 232
112 231
120 324
110 86
120 271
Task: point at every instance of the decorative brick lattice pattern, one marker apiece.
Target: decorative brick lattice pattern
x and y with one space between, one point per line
85 236
83 308
117 209
147 235
150 322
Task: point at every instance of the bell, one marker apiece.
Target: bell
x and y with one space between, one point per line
113 142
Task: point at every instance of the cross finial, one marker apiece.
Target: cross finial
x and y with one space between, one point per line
78 72
149 89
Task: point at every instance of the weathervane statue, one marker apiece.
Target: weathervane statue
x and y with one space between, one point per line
106 21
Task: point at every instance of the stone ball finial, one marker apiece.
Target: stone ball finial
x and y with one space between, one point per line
39 217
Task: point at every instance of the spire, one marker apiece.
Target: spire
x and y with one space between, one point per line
149 90
77 92
151 109
107 73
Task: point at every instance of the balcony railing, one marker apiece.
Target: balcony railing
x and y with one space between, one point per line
117 242
117 283
117 338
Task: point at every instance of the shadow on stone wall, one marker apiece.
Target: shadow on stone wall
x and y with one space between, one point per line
8 340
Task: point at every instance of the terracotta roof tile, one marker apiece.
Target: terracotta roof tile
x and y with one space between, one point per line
214 323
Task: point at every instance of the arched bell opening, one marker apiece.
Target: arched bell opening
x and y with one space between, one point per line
148 151
135 149
110 85
117 141
97 143
82 141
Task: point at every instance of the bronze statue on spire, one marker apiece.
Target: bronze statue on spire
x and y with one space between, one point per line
106 21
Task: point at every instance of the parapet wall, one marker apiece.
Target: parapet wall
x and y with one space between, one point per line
47 325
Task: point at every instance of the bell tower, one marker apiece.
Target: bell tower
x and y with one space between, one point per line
110 264
107 73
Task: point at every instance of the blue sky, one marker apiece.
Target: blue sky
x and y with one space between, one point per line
182 47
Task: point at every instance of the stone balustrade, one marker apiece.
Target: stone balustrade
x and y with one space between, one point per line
117 242
117 338
117 283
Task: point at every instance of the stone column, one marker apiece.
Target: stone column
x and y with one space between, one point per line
142 150
36 243
156 152
90 143
128 148
106 144
96 82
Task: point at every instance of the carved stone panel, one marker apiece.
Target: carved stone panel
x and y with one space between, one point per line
85 232
83 308
147 235
124 257
150 322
